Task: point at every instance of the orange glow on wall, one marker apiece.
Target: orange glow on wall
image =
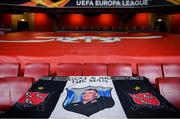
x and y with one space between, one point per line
79 20
103 20
42 22
106 19
140 19
74 19
175 22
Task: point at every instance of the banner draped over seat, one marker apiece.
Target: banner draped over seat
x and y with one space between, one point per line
92 97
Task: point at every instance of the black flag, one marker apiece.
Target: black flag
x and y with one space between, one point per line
141 100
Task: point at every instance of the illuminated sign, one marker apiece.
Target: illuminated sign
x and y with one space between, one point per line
111 3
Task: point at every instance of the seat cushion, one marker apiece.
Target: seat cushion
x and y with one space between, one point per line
36 70
150 71
69 69
119 70
9 69
171 70
94 69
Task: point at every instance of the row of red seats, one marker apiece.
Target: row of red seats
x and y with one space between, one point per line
151 71
31 70
168 87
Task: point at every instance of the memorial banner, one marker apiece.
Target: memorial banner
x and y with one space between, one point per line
92 97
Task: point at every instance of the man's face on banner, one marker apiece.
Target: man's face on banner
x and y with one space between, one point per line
89 95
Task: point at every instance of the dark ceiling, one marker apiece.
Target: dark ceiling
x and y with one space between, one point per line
21 9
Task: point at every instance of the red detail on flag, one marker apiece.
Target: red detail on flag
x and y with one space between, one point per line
34 98
145 98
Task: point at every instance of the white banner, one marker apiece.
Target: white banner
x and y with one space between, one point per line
92 97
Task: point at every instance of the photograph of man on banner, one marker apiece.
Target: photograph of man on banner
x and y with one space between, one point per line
88 100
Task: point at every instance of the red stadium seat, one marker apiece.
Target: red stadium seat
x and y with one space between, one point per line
119 70
69 69
9 69
36 70
150 71
94 69
169 88
171 70
11 90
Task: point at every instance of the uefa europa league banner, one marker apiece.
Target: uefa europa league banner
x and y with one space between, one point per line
90 3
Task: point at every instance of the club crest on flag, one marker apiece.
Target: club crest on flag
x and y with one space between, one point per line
145 99
32 99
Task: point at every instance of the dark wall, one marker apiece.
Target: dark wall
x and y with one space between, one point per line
47 22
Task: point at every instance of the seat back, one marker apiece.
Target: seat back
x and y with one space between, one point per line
119 70
169 88
5 102
11 90
69 69
36 70
150 71
94 69
171 70
9 69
